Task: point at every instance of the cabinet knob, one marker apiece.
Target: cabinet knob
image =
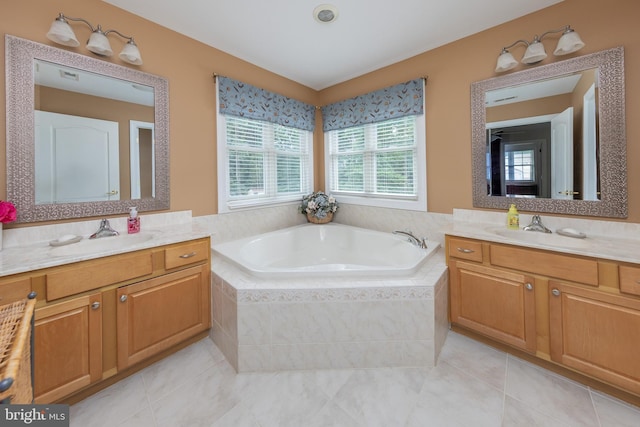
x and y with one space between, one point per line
123 298
95 305
555 292
189 255
529 286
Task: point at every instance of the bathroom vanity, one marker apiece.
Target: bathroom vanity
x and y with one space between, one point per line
564 305
98 320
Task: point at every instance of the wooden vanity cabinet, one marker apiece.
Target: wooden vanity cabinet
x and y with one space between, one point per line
156 314
95 320
580 313
494 302
596 333
68 347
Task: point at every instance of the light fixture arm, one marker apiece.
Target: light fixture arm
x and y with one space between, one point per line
62 18
565 29
515 43
130 39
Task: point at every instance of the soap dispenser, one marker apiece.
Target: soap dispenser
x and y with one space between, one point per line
513 218
133 222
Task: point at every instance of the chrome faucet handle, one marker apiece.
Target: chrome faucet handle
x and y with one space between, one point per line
104 230
536 225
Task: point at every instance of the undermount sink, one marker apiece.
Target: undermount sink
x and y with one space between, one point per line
103 244
542 238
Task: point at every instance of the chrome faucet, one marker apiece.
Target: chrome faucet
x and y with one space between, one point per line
421 243
536 225
105 230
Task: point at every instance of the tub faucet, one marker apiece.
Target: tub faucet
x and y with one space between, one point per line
536 225
421 243
105 230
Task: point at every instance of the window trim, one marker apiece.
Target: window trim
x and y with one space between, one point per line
225 205
395 202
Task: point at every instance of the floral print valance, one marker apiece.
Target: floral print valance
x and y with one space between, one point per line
405 99
244 100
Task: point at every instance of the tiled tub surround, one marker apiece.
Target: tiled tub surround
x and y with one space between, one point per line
279 324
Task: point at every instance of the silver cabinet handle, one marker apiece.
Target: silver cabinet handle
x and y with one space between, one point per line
555 292
95 305
123 298
529 286
466 251
184 256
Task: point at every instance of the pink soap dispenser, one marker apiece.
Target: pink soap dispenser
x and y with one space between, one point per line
133 222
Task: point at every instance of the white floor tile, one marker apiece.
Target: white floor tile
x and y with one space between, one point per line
472 385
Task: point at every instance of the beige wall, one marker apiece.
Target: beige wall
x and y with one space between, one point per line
451 69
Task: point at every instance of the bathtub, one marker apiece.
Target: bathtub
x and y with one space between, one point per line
328 249
328 297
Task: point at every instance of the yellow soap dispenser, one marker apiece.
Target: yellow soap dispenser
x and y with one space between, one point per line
513 218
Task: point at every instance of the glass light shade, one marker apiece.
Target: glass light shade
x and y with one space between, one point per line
98 43
131 54
506 61
534 53
61 33
569 42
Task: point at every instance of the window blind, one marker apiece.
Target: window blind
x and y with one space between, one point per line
377 159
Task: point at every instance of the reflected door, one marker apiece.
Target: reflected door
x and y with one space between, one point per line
69 147
562 155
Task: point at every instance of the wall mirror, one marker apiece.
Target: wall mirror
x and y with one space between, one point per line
85 137
552 138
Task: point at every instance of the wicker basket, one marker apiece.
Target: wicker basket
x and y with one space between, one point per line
315 220
15 352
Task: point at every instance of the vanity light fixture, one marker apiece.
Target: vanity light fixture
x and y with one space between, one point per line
569 42
61 33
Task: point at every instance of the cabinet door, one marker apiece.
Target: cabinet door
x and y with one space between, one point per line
596 333
156 314
68 347
496 303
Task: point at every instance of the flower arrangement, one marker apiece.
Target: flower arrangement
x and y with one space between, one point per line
8 212
319 206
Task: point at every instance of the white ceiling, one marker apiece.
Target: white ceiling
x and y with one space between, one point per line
282 36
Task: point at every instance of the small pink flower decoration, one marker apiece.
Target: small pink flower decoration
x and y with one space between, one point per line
8 212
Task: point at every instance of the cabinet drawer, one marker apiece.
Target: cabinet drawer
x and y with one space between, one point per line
186 253
546 263
630 280
95 274
14 290
465 249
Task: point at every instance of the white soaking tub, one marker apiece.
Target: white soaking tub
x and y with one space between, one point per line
327 249
328 297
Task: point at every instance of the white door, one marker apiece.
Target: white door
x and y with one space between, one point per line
76 159
562 155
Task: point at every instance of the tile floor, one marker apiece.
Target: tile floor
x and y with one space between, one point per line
472 385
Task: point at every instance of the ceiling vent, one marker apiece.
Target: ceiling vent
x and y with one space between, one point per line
325 13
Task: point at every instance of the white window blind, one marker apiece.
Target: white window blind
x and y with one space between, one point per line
263 163
375 160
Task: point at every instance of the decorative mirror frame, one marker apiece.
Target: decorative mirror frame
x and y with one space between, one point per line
612 137
20 54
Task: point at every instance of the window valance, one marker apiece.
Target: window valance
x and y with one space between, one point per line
397 101
244 100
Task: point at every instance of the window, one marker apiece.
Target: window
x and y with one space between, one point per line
262 163
379 164
519 165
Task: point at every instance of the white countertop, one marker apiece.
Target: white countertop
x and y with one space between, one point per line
19 259
616 247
